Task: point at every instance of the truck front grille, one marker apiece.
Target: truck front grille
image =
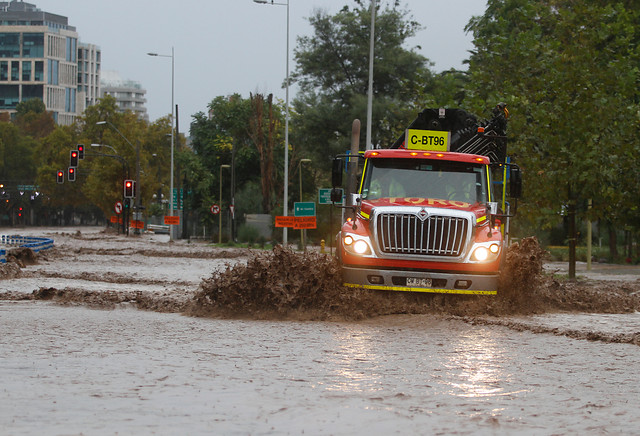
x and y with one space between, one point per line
436 235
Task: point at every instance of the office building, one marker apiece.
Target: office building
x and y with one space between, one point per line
39 59
129 94
88 76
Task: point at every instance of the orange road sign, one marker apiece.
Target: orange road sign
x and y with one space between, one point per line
305 222
136 224
171 220
285 221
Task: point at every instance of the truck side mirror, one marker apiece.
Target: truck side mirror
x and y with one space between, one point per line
336 173
336 195
515 188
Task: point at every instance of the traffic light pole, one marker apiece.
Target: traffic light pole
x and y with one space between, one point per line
125 175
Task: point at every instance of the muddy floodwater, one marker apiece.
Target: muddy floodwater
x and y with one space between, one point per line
72 366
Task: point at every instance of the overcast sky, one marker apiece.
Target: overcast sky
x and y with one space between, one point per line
227 46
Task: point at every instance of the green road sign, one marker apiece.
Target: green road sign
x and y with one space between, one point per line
304 208
324 196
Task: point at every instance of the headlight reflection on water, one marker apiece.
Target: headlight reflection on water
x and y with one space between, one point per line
475 367
356 362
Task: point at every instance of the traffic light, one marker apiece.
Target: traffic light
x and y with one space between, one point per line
73 161
80 151
72 174
129 188
60 176
20 211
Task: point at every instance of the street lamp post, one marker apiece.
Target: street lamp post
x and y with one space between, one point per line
137 150
304 247
220 200
172 127
125 174
286 126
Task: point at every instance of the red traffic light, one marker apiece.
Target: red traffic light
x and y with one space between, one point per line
60 177
80 151
129 189
73 159
72 174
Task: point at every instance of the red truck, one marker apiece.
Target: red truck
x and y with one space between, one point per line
431 211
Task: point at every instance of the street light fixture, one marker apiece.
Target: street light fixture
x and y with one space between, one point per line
286 125
220 200
304 247
172 125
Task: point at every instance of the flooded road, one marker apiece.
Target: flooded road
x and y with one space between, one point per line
76 370
73 370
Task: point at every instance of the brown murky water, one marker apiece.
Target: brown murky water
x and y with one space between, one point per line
562 360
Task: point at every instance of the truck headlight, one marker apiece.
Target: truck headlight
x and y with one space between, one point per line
481 254
361 247
486 253
356 245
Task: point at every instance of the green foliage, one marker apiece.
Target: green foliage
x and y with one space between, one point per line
333 70
247 233
569 72
16 154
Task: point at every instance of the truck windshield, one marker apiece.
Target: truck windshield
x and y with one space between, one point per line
419 178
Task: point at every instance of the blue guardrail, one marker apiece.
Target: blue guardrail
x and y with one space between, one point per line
35 243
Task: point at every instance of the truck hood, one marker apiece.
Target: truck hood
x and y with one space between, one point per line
477 208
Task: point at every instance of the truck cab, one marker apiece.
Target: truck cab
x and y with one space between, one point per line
427 219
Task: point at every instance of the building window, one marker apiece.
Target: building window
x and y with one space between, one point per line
26 71
9 96
53 71
4 71
39 72
15 71
72 50
9 45
70 100
32 91
33 45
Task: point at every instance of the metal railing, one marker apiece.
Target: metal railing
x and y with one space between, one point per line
35 243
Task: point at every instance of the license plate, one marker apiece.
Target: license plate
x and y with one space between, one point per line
419 283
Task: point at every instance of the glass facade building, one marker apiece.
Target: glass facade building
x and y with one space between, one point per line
39 58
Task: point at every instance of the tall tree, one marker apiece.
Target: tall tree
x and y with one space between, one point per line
569 71
262 132
332 71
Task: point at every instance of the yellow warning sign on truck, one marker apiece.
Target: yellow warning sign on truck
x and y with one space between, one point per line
430 140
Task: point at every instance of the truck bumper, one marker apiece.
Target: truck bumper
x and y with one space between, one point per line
432 281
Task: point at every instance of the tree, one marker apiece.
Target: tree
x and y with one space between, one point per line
569 74
33 119
263 135
332 70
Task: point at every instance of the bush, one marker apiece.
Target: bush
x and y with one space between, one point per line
248 234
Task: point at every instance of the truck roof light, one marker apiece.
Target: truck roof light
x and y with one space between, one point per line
426 154
479 159
375 153
480 129
439 154
413 153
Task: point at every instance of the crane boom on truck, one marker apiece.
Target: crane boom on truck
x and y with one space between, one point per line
427 216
